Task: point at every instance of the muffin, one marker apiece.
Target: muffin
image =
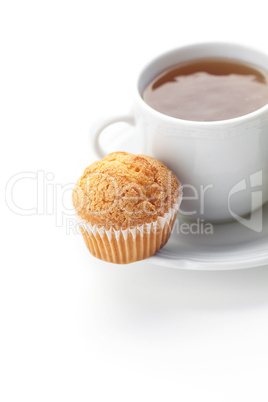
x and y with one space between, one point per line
126 206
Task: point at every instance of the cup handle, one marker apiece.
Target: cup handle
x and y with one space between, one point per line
100 125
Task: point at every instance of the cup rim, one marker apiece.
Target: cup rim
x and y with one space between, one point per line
192 123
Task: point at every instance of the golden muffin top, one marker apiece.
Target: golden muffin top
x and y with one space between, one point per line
124 190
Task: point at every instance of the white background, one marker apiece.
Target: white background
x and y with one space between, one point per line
74 328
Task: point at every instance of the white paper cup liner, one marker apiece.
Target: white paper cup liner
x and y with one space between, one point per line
129 245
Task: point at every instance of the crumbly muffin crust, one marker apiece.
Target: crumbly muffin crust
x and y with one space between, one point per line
124 190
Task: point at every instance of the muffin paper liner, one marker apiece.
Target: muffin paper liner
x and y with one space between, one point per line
129 245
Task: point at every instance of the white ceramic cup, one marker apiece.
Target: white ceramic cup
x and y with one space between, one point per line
223 165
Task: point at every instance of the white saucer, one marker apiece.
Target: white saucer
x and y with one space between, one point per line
231 246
